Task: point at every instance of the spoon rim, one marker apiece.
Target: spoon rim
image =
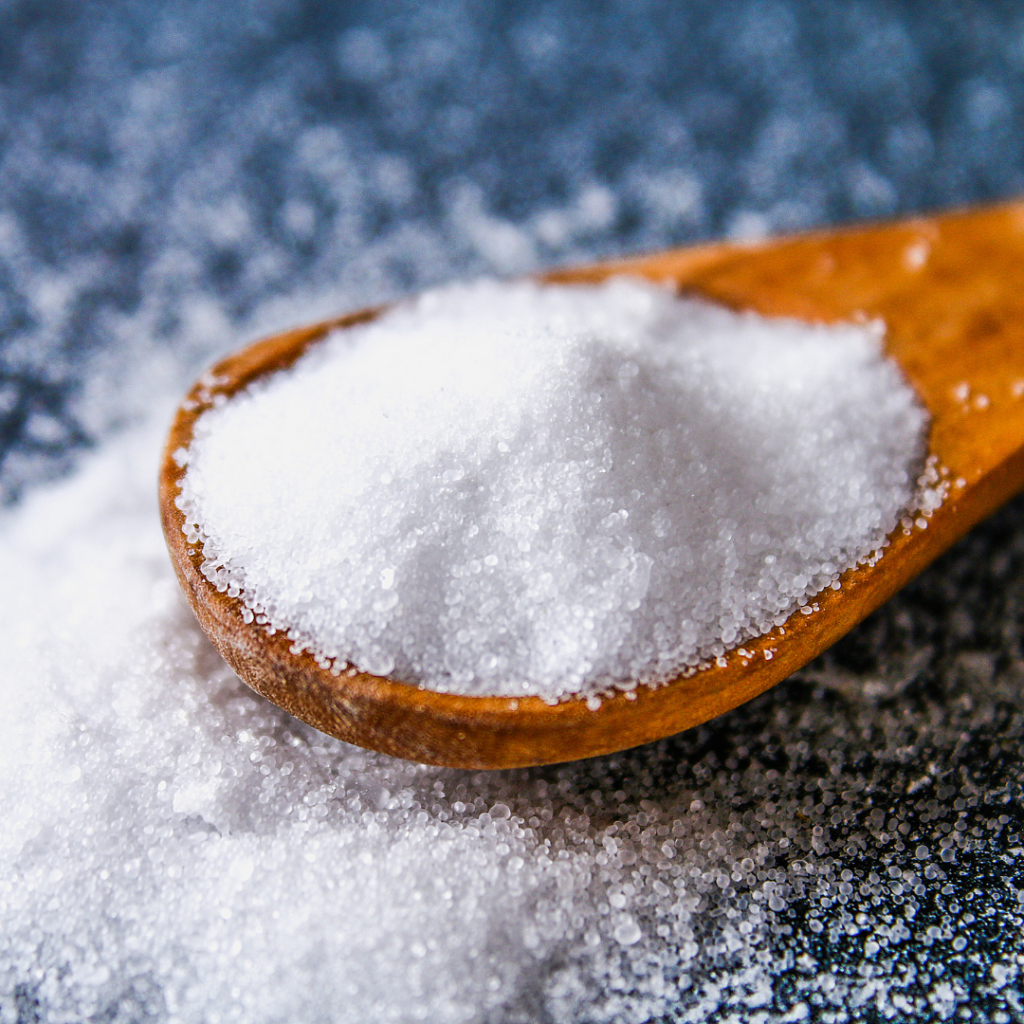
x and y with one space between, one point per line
459 714
472 731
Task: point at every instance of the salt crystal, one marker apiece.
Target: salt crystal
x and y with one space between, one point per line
628 933
117 897
515 488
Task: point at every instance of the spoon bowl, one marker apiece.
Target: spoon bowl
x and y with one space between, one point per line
950 290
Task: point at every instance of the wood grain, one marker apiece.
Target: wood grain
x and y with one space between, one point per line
950 290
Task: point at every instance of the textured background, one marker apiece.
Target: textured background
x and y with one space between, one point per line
169 169
176 177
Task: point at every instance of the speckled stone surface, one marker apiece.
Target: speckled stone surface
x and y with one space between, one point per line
175 179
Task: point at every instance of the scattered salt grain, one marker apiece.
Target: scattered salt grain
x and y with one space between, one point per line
512 489
176 849
136 770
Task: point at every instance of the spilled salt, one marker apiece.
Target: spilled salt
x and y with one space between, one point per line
510 489
176 849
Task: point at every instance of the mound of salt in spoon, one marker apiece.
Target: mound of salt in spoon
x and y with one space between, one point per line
518 488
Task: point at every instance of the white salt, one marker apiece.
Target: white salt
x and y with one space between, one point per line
511 489
176 849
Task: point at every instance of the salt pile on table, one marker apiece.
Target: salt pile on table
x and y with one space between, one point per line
176 849
511 489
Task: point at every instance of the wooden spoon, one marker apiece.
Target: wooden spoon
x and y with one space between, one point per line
950 290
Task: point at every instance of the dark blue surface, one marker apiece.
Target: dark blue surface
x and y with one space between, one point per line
120 121
165 163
